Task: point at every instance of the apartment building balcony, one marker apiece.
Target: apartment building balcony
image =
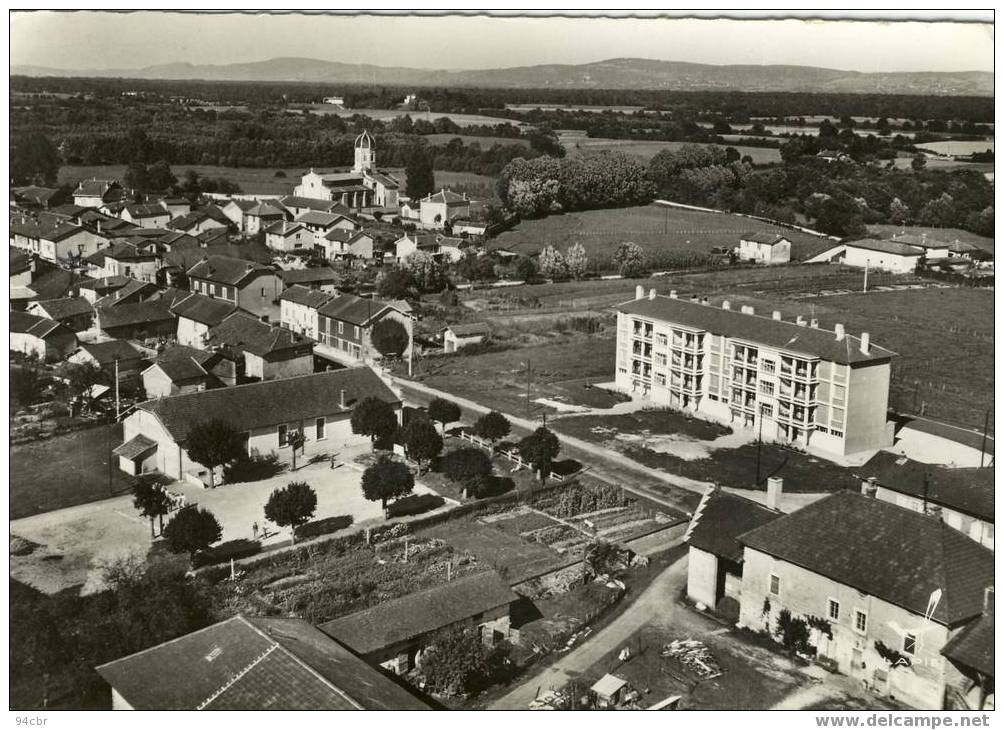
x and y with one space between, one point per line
796 394
642 350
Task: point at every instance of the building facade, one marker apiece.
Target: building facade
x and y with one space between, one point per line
792 382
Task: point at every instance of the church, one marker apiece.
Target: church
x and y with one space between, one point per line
362 187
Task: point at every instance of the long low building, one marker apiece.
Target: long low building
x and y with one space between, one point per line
43 338
394 633
319 405
791 382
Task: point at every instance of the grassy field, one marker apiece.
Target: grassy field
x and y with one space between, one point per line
485 142
64 471
577 143
656 228
499 379
263 181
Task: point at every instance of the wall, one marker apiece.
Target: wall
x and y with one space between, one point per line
805 593
702 577
299 318
259 296
157 384
867 399
977 529
256 366
930 449
877 260
192 333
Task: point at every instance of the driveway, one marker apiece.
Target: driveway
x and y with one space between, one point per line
656 603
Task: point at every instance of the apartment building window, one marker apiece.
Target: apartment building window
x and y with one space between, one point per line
767 366
833 610
661 340
319 425
860 621
660 359
660 379
766 409
341 328
355 332
838 434
910 644
766 387
775 585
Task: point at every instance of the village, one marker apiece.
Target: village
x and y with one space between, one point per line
363 449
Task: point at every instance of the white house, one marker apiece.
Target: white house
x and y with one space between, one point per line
319 405
298 309
39 337
147 215
765 248
435 210
287 236
878 254
465 333
197 314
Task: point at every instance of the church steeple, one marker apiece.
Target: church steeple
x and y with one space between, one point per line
365 153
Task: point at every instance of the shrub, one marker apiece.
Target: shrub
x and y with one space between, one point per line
326 526
223 553
252 468
414 505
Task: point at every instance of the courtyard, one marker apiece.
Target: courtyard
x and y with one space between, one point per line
74 543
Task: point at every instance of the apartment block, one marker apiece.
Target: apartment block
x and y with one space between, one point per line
790 382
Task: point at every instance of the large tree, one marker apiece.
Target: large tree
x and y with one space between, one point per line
492 426
387 478
390 337
576 261
291 506
421 179
213 443
192 529
152 501
34 160
458 662
539 449
395 283
296 440
444 411
374 418
629 258
469 466
421 440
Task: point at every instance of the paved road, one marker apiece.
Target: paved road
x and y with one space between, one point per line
604 463
656 603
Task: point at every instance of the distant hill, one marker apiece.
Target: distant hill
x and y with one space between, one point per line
615 73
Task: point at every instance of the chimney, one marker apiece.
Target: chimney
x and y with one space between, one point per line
838 329
341 399
651 294
814 323
775 315
747 309
693 299
704 300
672 294
865 342
726 304
934 510
869 487
775 486
249 266
800 321
639 292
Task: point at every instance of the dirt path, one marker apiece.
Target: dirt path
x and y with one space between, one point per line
655 602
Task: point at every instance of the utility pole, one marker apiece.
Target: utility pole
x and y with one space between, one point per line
411 346
118 413
865 289
983 446
528 386
759 441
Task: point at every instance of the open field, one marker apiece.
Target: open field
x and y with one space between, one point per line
576 142
261 181
461 120
485 142
499 379
942 234
64 471
656 228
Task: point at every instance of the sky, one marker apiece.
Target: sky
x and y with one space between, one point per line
101 40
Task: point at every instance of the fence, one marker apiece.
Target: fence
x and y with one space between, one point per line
513 456
780 224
